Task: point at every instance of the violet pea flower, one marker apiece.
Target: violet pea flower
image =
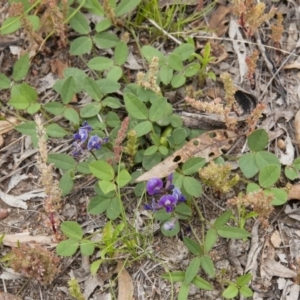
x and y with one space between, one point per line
168 202
95 142
154 186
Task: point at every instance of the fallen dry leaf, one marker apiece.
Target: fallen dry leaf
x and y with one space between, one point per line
11 240
294 192
208 145
220 19
6 296
276 239
8 124
297 128
125 283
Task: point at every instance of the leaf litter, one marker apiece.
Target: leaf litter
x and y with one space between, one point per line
262 251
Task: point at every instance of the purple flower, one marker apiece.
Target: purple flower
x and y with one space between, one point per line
152 207
169 185
81 135
154 186
168 202
78 150
178 195
86 126
169 225
95 142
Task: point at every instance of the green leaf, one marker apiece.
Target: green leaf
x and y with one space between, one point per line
56 131
10 25
111 102
33 108
157 109
114 209
252 187
185 50
151 150
21 67
178 135
79 77
4 82
183 292
94 7
192 245
280 195
71 115
178 80
177 276
115 73
112 119
102 170
19 102
258 140
210 239
165 74
126 6
149 52
108 86
192 186
87 247
223 219
83 167
67 247
268 175
291 173
100 63
35 21
175 62
143 128
28 128
121 53
246 291
92 88
243 279
191 69
135 107
193 165
105 40
54 108
79 23
61 161
163 150
183 211
264 158
103 25
192 270
161 215
296 163
81 45
66 182
229 232
90 110
72 230
202 284
151 160
208 266
68 90
98 205
95 265
247 165
230 292
123 178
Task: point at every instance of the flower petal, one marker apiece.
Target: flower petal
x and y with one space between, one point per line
154 186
